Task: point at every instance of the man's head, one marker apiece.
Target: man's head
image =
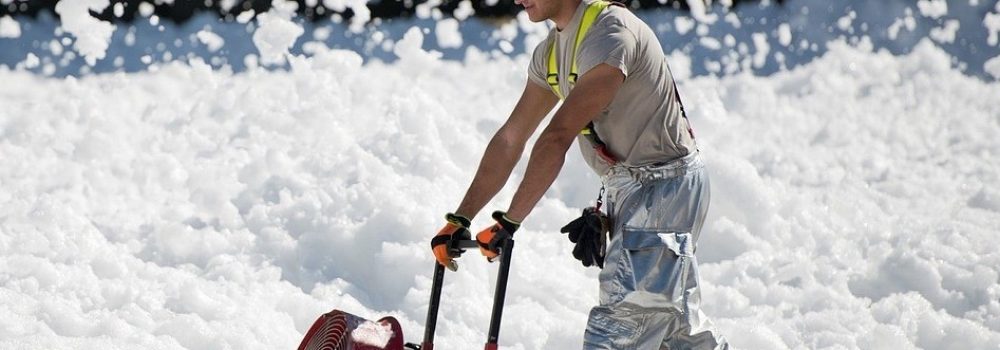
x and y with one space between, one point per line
539 10
559 11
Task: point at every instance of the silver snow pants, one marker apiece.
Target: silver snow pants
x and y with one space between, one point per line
649 295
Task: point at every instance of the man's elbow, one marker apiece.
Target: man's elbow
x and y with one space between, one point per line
556 139
508 138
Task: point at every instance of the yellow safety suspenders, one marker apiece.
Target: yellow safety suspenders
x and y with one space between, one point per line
589 16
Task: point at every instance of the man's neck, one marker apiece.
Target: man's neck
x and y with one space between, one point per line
565 14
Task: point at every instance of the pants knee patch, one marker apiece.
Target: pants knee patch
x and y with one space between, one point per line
606 331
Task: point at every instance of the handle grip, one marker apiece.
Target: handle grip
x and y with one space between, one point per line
498 296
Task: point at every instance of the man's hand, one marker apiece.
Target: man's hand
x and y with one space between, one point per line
492 238
588 233
457 228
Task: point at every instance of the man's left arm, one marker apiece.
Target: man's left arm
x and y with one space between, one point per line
592 93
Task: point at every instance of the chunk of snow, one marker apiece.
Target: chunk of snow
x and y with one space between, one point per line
683 24
210 39
933 8
375 334
446 31
276 32
784 34
92 35
9 28
946 33
992 66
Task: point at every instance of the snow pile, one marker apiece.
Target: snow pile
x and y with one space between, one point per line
190 208
845 212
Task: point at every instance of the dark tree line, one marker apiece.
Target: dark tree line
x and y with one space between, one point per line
182 10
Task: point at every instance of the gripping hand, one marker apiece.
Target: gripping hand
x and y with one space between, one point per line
457 228
492 238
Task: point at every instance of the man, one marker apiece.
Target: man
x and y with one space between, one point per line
619 91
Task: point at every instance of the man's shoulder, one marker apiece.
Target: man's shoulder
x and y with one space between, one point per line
614 22
618 19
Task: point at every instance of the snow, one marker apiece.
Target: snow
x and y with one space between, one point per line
146 9
277 33
710 43
447 33
683 24
372 333
992 23
784 34
464 10
212 40
423 10
412 55
844 23
322 33
361 12
55 47
992 66
700 13
762 49
186 206
945 34
9 28
245 16
933 8
92 35
31 61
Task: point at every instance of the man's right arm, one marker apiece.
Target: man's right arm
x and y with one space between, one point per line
506 147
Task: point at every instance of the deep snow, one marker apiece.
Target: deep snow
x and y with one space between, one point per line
855 202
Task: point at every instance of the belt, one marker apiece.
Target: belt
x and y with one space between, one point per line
669 169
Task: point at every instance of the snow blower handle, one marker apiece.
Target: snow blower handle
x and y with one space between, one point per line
498 297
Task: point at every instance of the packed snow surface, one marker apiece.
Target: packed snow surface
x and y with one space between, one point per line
855 200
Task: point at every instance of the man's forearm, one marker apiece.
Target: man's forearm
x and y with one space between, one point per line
547 158
593 92
498 162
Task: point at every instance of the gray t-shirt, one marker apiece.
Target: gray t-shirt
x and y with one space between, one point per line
643 125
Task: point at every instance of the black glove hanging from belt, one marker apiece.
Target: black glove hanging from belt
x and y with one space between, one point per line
589 232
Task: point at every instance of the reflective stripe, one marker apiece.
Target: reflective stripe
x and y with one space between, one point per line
589 16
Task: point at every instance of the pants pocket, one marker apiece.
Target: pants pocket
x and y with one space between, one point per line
659 265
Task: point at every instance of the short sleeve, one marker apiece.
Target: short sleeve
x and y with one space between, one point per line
610 42
537 70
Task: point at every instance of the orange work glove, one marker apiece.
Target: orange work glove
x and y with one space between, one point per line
457 228
492 238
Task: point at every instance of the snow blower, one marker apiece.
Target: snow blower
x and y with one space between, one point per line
339 330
